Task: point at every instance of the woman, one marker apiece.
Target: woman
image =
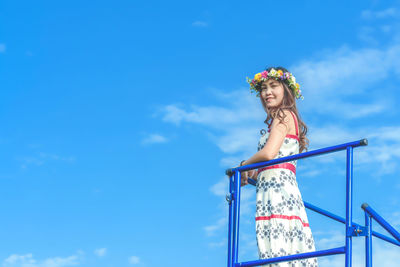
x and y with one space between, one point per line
281 221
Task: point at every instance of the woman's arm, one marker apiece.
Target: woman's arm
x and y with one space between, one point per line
274 143
271 148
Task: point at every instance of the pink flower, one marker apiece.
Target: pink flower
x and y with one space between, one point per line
264 74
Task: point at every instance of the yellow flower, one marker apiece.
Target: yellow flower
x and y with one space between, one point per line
297 86
280 72
257 77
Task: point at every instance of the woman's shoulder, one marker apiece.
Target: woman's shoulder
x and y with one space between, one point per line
288 112
288 121
286 118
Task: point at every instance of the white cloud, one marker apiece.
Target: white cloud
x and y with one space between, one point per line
211 115
334 83
199 23
55 157
41 158
221 223
394 219
2 48
134 260
232 126
387 13
221 188
237 108
329 135
100 252
383 148
28 260
230 161
240 140
220 243
154 139
386 28
14 259
366 34
58 262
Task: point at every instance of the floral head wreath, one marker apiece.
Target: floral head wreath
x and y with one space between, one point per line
287 77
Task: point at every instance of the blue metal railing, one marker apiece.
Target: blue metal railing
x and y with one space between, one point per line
369 215
352 229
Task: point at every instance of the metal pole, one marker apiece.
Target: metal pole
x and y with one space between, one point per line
230 228
236 215
368 240
349 205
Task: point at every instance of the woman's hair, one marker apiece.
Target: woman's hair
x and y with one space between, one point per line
288 103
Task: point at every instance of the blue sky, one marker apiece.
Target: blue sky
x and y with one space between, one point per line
119 119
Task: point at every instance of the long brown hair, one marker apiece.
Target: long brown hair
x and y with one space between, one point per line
288 103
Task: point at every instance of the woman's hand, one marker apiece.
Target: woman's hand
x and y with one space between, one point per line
244 178
246 175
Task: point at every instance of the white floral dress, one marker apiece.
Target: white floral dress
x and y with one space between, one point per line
282 226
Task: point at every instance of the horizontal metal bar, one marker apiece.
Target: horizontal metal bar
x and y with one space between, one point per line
385 238
320 253
326 150
381 221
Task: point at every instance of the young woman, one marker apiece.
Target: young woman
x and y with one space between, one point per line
281 221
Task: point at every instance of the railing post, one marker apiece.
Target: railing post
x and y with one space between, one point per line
236 215
230 226
349 205
368 240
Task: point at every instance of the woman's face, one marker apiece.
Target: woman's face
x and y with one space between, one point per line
272 93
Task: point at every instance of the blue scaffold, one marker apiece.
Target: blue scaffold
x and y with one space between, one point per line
352 229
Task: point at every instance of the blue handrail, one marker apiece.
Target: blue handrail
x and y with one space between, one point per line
317 152
352 229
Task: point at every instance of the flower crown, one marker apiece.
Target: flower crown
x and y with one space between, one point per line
255 84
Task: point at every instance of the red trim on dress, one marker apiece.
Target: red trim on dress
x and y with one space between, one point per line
278 216
288 135
295 122
285 165
293 136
